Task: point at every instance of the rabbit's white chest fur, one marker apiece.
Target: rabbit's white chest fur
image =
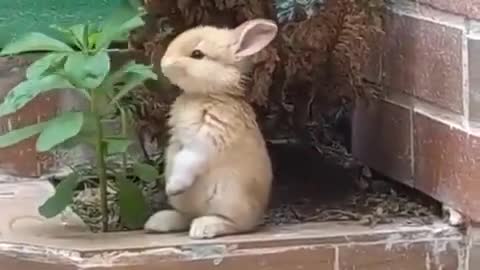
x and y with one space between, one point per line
210 121
219 147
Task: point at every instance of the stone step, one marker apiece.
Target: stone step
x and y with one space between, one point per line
34 243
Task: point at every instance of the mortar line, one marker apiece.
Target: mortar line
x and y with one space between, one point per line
336 263
466 78
427 13
412 144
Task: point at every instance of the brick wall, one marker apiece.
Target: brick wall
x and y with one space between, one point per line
426 131
21 160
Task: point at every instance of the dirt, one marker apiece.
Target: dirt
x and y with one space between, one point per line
310 187
312 184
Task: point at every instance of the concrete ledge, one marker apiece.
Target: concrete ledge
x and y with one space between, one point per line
33 243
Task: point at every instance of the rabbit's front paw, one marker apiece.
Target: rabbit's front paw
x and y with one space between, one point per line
178 184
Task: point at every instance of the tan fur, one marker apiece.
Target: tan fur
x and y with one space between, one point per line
231 168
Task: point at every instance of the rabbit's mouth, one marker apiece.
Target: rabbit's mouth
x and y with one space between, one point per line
174 74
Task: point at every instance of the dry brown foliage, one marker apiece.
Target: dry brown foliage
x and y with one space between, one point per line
315 65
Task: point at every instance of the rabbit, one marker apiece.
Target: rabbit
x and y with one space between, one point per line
218 171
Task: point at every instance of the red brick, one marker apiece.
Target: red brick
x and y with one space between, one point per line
424 59
447 164
474 78
302 258
381 138
21 263
468 8
399 256
22 159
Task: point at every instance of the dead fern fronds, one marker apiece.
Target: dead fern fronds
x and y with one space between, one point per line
316 64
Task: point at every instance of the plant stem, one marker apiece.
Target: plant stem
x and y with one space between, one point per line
124 134
100 159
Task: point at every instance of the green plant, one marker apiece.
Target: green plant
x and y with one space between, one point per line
84 67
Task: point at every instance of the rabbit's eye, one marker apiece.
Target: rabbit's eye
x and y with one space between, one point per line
197 54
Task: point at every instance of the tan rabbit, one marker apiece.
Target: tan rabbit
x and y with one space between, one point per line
218 172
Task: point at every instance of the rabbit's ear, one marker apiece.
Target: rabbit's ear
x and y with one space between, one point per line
252 36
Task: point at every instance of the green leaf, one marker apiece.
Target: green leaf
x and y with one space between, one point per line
67 34
88 133
133 207
116 146
48 62
62 198
86 33
93 39
124 19
20 134
72 33
131 82
131 75
141 70
79 32
87 71
59 130
132 68
28 90
102 101
33 42
128 26
145 172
